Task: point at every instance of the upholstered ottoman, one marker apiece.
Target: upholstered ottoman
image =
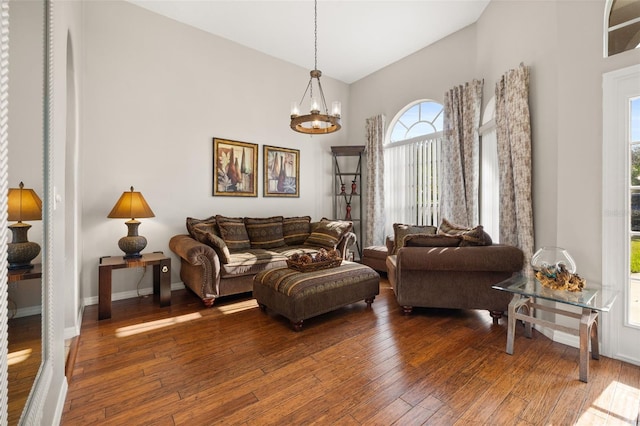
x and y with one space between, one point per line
302 295
375 257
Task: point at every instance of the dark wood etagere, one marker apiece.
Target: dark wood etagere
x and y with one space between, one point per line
348 188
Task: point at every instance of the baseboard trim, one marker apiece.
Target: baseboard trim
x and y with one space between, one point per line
93 300
71 358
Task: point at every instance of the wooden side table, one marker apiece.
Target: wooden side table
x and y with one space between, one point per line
16 275
161 278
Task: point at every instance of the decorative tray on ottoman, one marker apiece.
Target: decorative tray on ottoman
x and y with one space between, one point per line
313 266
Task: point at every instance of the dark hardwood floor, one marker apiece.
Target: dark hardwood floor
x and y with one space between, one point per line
233 364
24 357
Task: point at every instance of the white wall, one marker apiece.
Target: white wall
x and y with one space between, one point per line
155 93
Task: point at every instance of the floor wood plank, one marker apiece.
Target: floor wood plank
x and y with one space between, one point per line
236 365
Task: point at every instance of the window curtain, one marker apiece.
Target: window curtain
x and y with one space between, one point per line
460 152
374 234
514 158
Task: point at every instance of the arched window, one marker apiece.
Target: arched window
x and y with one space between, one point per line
622 25
413 166
416 119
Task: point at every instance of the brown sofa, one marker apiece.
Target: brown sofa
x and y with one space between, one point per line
220 255
453 277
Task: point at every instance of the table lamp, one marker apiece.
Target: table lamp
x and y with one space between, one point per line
22 204
131 205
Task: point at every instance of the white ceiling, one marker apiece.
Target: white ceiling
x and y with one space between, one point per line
355 37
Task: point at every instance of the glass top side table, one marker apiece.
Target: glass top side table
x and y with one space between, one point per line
592 299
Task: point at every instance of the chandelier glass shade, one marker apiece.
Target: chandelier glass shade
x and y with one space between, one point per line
319 120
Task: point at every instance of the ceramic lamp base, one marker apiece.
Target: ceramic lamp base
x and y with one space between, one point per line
133 243
20 255
20 252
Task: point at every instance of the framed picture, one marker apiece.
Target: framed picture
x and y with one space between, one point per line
235 168
281 172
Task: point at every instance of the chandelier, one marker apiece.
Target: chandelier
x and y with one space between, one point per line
318 121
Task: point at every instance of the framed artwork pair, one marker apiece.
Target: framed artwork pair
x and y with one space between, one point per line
235 170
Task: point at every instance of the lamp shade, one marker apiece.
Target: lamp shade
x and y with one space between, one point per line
131 205
23 204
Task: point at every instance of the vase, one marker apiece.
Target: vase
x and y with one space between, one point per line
354 188
282 176
549 259
348 215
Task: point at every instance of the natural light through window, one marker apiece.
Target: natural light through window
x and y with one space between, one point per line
18 356
634 187
420 119
413 166
155 325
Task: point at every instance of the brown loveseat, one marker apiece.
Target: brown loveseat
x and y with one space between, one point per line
450 267
220 255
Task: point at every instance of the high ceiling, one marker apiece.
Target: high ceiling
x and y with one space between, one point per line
355 37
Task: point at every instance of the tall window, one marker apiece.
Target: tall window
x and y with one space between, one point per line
489 174
634 196
413 166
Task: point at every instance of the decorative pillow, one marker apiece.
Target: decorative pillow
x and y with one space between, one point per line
209 222
470 236
296 229
214 242
401 230
265 233
328 233
431 240
233 232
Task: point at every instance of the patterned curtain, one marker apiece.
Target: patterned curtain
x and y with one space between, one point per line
460 152
514 159
374 234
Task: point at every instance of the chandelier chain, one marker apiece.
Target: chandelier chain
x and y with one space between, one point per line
315 33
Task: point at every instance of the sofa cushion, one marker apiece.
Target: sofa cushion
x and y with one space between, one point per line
213 241
430 240
400 230
296 229
289 251
328 233
233 232
470 236
252 261
208 223
265 233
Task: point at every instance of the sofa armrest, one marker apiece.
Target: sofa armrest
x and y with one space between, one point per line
347 241
496 257
191 250
200 265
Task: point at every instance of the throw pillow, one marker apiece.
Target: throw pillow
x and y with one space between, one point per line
328 233
470 236
209 222
213 241
431 240
233 232
400 230
265 233
296 229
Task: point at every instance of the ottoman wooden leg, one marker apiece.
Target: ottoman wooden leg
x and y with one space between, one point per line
406 310
369 301
297 326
